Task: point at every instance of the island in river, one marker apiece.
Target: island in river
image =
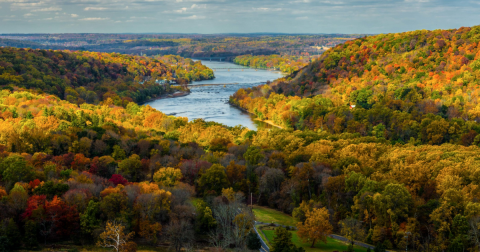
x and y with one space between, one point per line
208 99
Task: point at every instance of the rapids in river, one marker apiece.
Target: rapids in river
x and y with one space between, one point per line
209 98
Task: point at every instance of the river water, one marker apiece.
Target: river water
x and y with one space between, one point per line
209 99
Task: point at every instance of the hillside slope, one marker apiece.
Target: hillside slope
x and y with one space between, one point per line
401 81
90 76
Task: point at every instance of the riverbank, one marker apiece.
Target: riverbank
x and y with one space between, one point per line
269 122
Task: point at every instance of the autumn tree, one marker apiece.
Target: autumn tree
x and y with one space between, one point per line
168 176
352 229
150 230
316 227
130 167
214 179
114 236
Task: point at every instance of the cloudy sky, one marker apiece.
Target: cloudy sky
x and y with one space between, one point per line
239 16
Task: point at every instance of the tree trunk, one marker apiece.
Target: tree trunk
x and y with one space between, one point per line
313 243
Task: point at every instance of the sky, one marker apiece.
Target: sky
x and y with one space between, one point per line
235 16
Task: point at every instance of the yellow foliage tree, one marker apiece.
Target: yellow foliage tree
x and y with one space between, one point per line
167 176
150 230
316 226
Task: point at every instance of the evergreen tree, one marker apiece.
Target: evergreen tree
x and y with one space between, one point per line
31 231
253 242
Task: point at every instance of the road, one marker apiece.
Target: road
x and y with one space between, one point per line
264 247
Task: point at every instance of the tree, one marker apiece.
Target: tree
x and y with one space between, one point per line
15 169
180 233
168 176
10 231
90 219
352 229
114 237
118 179
205 220
130 167
113 205
253 155
282 241
214 179
118 153
253 242
150 230
31 231
316 226
243 225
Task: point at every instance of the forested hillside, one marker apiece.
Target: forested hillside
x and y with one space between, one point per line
92 77
419 87
67 170
285 63
186 69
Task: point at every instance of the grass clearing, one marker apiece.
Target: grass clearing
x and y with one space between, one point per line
267 215
331 245
262 235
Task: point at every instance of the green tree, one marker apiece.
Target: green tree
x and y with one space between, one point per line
282 241
89 220
205 220
15 169
214 179
31 234
392 203
12 234
253 242
113 205
130 168
118 153
253 155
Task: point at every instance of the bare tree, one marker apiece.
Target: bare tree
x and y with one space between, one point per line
234 222
114 237
180 233
475 231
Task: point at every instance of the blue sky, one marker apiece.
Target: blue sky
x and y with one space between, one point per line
239 16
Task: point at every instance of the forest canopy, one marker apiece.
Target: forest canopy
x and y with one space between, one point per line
92 77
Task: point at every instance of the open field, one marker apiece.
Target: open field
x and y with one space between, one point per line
332 244
267 215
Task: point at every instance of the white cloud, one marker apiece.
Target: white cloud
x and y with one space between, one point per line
28 15
182 10
74 15
198 6
194 17
21 4
263 9
94 8
48 9
93 19
301 18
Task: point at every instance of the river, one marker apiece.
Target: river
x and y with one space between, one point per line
210 102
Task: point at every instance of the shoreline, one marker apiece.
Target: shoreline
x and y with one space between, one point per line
269 122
